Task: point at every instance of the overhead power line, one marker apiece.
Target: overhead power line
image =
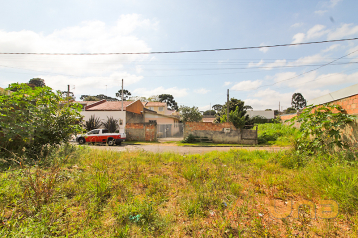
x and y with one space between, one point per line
184 51
321 66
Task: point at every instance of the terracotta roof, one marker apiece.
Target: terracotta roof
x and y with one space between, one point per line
110 106
209 119
155 104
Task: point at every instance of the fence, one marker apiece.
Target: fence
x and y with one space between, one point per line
170 130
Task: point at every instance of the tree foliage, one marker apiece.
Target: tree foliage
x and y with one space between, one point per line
298 101
190 114
321 128
126 94
37 82
32 119
209 112
93 123
290 110
217 107
98 97
237 117
234 105
111 124
169 99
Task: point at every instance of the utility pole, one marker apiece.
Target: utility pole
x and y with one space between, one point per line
227 107
122 95
68 93
210 108
279 106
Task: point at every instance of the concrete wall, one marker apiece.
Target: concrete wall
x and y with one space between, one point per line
216 133
132 117
266 114
141 132
103 116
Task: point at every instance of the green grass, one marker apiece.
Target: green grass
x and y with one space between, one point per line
84 192
276 134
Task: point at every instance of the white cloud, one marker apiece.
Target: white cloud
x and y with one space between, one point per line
277 63
316 31
298 24
176 92
284 76
332 47
246 85
265 49
201 91
320 12
333 3
344 31
298 38
252 64
87 37
227 83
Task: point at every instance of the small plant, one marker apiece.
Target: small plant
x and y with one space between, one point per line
189 139
321 128
93 123
111 124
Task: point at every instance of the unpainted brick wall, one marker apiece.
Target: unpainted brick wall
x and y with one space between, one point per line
215 133
141 132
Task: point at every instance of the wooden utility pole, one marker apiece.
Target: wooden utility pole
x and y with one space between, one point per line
227 107
68 93
122 95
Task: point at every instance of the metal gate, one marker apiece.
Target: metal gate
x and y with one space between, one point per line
170 130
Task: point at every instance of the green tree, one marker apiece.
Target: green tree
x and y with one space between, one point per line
321 128
33 119
298 101
237 117
209 112
37 82
234 104
190 114
89 98
290 110
126 94
169 99
217 107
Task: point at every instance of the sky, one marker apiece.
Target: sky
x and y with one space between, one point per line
263 78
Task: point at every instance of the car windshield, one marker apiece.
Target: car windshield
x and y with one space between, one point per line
93 132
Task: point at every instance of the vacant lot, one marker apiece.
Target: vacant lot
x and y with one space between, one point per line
83 192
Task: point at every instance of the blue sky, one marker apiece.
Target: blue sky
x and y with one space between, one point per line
195 79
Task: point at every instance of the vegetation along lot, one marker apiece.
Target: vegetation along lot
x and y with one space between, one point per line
57 189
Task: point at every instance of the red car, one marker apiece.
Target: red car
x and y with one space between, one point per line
101 136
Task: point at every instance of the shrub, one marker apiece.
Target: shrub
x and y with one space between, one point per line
321 128
93 123
189 139
33 120
111 124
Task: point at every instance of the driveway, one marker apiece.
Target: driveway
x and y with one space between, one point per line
158 148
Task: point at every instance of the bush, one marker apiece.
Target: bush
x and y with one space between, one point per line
111 124
189 139
33 120
93 123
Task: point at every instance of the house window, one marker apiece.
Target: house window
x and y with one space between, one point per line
151 108
161 109
152 121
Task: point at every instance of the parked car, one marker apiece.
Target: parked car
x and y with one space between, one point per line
101 136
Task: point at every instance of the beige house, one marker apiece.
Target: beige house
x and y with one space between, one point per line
160 108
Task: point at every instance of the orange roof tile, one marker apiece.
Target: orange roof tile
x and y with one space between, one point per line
110 106
155 104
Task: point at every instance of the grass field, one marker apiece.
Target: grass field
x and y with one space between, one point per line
82 192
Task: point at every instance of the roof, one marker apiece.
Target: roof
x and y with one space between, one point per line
158 114
334 96
155 104
209 119
104 105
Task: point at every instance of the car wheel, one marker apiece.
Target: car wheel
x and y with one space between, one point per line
110 142
81 141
